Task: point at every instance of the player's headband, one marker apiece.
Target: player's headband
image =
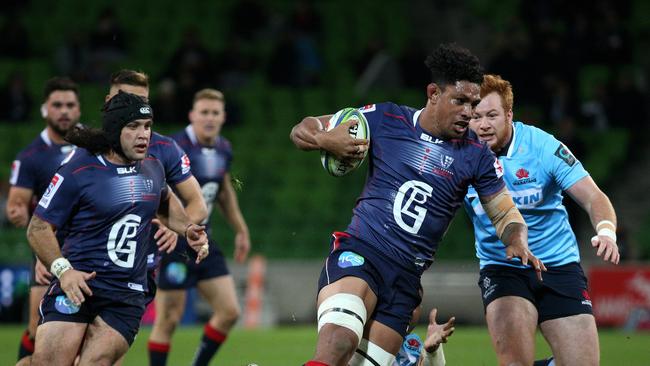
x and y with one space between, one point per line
121 109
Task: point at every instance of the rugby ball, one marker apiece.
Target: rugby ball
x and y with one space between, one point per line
332 165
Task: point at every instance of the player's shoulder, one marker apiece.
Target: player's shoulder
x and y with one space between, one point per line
160 139
37 145
389 111
533 137
81 160
469 142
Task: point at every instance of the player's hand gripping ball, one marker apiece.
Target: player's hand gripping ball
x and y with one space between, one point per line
332 165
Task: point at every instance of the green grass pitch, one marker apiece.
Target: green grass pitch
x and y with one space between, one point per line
294 345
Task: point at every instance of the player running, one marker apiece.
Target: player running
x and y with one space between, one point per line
31 172
106 196
537 168
421 164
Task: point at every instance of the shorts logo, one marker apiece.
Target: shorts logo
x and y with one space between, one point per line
350 259
563 153
587 299
65 305
56 182
176 273
488 286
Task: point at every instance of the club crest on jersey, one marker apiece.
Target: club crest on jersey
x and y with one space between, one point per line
185 164
350 259
126 170
446 161
148 184
55 183
65 306
523 177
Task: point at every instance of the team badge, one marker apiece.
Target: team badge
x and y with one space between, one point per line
446 161
350 259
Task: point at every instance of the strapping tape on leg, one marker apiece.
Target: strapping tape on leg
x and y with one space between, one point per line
345 310
370 354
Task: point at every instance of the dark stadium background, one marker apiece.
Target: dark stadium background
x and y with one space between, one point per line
579 70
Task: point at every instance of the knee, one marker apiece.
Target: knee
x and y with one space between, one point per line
169 318
228 316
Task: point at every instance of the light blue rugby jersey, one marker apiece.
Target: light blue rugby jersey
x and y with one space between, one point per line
537 168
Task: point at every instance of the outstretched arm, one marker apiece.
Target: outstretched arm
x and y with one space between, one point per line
311 134
602 215
437 334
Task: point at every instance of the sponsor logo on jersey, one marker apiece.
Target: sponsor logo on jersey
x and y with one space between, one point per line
350 259
563 153
523 177
527 198
498 169
368 108
185 164
55 183
15 168
176 273
65 306
126 170
430 139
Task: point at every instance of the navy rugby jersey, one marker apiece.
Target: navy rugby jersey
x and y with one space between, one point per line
210 163
35 165
107 210
177 170
415 184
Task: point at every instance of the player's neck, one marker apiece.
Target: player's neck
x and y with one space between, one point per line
55 137
117 159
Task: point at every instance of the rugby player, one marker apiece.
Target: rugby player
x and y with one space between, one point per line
106 195
31 172
537 169
421 164
210 155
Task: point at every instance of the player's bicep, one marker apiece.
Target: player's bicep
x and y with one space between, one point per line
584 191
189 190
19 196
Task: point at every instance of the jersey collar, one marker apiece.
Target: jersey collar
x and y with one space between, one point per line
511 144
190 133
46 137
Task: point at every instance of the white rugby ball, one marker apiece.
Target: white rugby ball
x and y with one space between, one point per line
334 166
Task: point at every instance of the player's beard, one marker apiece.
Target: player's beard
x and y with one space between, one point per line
57 129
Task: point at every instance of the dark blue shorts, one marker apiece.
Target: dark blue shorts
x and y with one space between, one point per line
122 316
562 293
178 270
396 287
152 287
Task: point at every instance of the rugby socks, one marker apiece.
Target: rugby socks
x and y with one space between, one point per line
158 353
26 346
548 362
315 363
210 343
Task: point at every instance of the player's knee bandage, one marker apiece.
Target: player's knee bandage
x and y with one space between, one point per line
345 310
502 212
370 354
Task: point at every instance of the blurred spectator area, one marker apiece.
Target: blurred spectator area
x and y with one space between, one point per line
578 71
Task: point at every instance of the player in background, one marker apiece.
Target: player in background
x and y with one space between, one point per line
537 168
106 195
31 172
420 165
211 156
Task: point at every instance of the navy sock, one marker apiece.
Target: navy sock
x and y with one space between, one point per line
210 343
158 353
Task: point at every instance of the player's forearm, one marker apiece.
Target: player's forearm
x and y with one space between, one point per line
515 234
600 210
174 215
196 210
42 239
233 215
304 134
